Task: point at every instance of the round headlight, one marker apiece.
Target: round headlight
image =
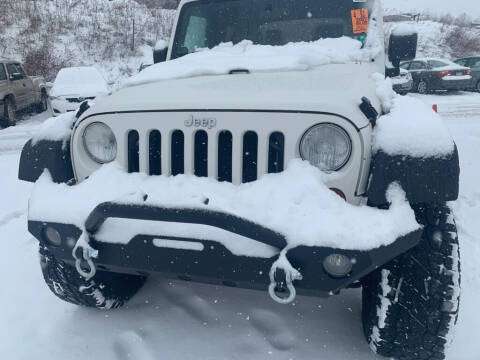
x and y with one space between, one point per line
326 146
100 143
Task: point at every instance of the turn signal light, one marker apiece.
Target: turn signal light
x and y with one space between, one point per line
52 236
337 265
339 193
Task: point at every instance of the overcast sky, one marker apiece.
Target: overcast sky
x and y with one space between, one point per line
471 7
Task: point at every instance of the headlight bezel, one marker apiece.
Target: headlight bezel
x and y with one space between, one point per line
86 147
342 131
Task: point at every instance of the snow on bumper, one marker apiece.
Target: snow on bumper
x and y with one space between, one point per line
295 203
209 230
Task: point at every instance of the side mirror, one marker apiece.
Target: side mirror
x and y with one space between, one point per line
159 55
402 47
15 77
160 51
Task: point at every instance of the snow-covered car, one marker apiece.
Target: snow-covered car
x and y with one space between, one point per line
265 149
403 83
430 74
18 91
474 64
74 85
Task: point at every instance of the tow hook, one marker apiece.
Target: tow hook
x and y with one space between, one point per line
282 276
83 262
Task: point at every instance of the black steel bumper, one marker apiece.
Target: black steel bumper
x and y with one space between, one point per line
215 264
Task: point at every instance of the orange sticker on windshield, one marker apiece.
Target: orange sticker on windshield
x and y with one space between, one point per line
360 21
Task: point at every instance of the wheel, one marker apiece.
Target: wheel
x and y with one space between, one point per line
43 104
477 87
8 118
104 291
422 87
410 305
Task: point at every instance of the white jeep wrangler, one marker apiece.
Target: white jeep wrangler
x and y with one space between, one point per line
234 115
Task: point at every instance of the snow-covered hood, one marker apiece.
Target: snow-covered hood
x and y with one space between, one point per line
333 88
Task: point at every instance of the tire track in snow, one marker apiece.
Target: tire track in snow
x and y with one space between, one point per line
11 216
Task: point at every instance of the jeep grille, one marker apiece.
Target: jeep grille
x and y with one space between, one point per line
206 148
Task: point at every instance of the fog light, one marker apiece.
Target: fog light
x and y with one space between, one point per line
52 235
337 265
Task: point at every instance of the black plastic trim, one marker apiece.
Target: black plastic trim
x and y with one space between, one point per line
53 156
424 180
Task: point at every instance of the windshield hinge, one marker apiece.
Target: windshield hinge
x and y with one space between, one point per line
369 111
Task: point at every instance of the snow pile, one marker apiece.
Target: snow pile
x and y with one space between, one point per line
411 128
84 81
55 128
384 91
296 203
226 57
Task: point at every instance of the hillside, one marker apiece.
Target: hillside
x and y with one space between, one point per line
116 36
445 41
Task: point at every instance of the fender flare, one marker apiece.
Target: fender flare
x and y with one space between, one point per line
53 156
424 180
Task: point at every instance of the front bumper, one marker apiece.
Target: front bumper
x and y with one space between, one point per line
403 87
214 263
61 106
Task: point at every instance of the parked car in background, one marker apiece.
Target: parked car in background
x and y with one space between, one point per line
74 85
403 83
430 74
474 64
18 91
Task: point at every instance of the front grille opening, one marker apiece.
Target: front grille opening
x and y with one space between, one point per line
276 152
201 154
154 153
178 152
225 156
250 152
133 157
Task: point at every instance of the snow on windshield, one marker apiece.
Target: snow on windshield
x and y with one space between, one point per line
80 81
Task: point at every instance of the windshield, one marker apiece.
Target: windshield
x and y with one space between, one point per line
205 24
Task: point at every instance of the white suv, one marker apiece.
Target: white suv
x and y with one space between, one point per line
193 170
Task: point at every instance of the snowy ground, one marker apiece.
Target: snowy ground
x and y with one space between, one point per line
178 320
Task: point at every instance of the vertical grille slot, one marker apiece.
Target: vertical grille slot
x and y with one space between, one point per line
154 148
276 152
178 152
133 152
225 156
250 153
201 154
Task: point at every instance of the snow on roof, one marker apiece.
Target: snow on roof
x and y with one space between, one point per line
84 81
226 57
289 203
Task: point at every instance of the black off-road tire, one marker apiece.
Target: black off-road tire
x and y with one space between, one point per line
104 291
42 106
8 117
411 304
